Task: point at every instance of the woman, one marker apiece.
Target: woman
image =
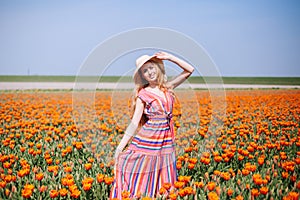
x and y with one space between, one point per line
149 161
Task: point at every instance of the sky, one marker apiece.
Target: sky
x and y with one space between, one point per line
243 38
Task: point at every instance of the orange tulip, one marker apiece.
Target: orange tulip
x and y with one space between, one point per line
230 192
199 184
26 193
54 193
264 190
2 184
211 186
173 196
63 192
86 186
108 180
254 192
43 188
39 176
167 186
212 196
75 193
88 166
100 178
179 184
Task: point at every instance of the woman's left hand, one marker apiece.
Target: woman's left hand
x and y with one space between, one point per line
163 55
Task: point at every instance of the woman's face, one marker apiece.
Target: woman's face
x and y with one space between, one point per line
149 72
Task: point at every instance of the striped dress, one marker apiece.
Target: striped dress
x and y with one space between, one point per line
149 161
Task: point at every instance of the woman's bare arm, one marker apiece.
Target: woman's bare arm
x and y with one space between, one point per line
187 68
130 131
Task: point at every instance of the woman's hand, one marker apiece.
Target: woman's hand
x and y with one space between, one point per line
164 56
116 158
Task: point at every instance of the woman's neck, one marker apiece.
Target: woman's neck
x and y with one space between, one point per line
153 85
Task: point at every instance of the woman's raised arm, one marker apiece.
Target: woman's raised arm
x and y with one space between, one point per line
187 68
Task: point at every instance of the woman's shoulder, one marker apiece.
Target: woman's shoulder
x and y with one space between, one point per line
146 95
142 94
141 91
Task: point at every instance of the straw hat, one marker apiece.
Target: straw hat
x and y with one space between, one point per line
141 61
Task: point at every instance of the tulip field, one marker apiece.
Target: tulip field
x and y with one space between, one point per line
246 147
